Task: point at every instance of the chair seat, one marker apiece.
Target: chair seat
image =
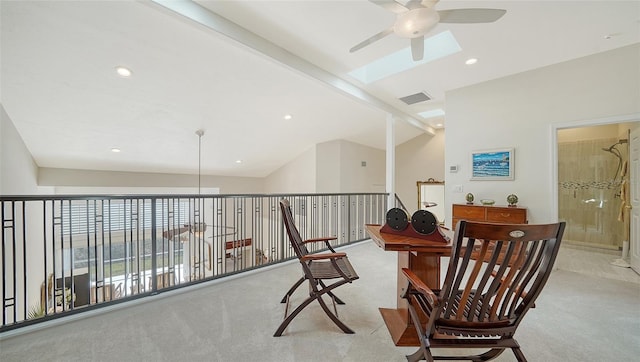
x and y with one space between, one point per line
472 326
324 269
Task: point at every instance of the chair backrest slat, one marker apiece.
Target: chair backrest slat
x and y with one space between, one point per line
472 279
459 276
292 231
516 260
486 277
525 272
489 296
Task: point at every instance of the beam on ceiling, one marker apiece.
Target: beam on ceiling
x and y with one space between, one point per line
213 21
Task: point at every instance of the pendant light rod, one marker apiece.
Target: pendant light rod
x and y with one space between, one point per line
200 133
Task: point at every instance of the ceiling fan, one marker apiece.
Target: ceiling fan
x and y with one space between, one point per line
418 17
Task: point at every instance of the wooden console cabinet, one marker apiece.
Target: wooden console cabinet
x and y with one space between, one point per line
499 214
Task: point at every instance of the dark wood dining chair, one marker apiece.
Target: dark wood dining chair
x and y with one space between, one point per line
495 274
324 272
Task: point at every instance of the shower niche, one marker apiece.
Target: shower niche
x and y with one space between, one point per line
591 174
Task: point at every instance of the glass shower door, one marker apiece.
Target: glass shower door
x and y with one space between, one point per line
590 176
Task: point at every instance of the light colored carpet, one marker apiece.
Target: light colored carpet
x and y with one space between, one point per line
578 317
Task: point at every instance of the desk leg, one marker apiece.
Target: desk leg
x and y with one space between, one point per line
427 268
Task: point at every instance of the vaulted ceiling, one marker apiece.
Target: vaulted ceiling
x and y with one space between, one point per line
235 69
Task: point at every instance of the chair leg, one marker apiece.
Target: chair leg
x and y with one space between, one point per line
324 306
333 302
333 317
335 297
519 355
491 354
423 353
286 306
293 314
487 356
416 356
293 289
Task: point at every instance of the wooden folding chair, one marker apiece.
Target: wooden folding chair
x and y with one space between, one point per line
317 269
495 274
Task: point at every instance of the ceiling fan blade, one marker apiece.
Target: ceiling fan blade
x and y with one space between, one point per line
429 3
470 16
390 5
417 48
373 39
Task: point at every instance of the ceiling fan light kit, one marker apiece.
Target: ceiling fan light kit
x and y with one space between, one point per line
416 22
417 18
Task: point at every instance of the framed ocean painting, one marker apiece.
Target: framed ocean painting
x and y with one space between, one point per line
496 164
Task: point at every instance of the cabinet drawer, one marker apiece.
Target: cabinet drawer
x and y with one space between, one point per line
475 213
506 215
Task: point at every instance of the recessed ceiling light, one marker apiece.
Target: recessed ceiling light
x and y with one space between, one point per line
288 116
123 71
471 61
238 161
115 150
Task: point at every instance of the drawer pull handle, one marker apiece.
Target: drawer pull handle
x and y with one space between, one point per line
505 215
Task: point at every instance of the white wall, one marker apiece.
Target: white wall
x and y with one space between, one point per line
522 110
328 167
18 170
93 178
297 176
339 168
418 159
354 177
100 190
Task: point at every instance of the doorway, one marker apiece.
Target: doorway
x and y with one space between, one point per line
592 168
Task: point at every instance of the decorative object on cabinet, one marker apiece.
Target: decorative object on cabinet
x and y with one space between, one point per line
487 202
499 214
496 164
512 199
469 197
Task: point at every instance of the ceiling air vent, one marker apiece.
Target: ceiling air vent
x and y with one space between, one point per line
416 98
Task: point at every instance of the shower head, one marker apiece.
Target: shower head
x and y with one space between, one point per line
614 151
613 148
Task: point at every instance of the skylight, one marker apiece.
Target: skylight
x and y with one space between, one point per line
435 47
432 113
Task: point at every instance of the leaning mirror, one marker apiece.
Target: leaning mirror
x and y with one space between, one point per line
431 198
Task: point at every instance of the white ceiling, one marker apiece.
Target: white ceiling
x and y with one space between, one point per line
58 81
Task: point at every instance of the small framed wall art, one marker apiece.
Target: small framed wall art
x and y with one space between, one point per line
492 165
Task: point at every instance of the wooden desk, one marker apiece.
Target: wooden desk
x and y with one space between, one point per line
423 258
